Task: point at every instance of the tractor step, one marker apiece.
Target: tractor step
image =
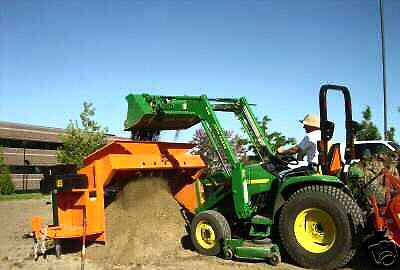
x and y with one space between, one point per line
260 249
260 227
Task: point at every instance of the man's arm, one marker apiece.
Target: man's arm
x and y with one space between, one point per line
292 150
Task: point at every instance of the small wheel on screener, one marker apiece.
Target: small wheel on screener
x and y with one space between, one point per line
58 248
208 230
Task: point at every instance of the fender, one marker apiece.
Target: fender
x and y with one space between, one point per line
293 183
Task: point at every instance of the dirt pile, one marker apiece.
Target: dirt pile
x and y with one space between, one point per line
144 224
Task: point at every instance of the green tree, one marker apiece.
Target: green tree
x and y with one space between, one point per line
391 134
81 140
368 130
6 184
276 139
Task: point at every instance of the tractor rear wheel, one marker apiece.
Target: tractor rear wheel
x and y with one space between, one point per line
319 227
208 229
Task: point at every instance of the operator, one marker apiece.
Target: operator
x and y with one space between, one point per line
308 144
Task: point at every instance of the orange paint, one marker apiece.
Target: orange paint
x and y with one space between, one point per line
100 168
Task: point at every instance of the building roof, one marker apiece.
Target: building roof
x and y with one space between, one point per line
26 132
17 131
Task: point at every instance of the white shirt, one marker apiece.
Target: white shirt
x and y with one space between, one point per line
309 146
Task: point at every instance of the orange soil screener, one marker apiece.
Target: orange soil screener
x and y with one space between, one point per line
77 196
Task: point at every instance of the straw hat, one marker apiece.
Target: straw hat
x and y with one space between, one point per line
310 120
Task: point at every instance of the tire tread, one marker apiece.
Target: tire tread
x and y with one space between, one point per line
356 219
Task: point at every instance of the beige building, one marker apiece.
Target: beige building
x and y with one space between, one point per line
30 149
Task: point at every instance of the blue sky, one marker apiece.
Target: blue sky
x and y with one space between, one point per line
54 55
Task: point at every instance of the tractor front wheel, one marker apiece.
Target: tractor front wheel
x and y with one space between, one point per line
207 230
318 227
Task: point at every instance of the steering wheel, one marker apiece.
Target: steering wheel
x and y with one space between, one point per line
288 160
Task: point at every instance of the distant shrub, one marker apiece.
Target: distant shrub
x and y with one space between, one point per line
6 184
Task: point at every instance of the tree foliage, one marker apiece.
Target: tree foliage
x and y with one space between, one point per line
81 140
6 184
391 134
276 139
368 130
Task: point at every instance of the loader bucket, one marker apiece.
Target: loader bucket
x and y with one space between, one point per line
118 161
144 115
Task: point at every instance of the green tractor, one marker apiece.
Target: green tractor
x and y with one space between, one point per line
251 207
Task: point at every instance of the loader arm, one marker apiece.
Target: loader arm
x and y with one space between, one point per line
241 108
171 113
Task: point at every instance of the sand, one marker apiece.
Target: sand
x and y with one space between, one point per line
144 224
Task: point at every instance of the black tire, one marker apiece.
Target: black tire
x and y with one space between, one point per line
329 205
215 223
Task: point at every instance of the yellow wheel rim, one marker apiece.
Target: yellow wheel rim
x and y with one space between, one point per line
315 230
205 235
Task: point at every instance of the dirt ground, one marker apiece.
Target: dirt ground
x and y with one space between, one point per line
135 241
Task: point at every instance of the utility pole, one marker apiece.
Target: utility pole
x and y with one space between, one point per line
383 71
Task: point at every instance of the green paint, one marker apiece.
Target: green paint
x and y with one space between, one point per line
243 249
